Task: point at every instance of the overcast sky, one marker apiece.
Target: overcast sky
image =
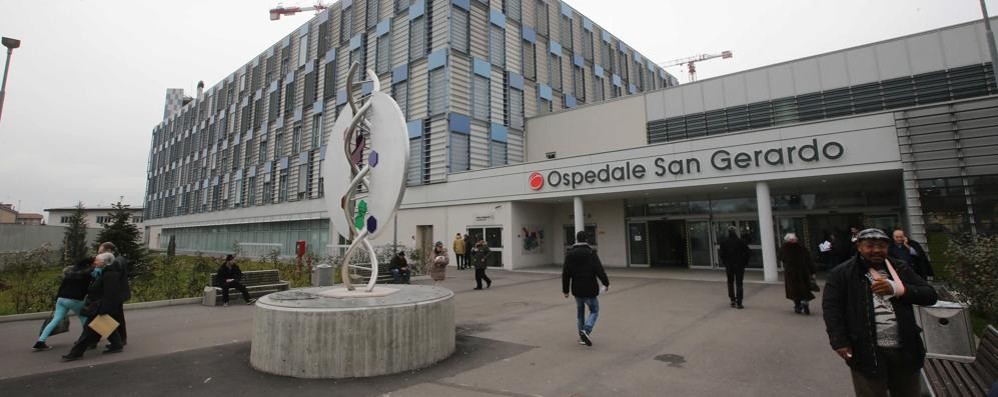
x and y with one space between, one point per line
88 84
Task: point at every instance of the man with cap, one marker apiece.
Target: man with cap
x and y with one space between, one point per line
229 276
867 305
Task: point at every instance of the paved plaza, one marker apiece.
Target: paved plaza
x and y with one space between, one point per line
660 333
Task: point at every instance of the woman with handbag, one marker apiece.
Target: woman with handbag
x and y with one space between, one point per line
798 271
75 281
438 262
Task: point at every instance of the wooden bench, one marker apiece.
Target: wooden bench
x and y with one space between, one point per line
257 282
961 375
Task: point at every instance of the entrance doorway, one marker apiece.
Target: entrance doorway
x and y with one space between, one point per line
667 243
748 230
424 239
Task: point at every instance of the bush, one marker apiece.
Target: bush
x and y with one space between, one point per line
32 280
974 274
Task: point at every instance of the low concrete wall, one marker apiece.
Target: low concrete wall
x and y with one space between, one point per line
128 306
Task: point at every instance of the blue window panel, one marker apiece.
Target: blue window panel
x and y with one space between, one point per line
498 132
631 88
318 106
497 18
322 152
286 42
283 164
606 36
555 48
270 52
637 57
273 87
303 30
366 87
621 46
323 17
296 116
303 157
400 74
290 78
341 96
309 67
516 81
569 101
566 10
437 59
465 4
577 60
330 55
598 71
482 68
587 24
544 91
279 123
383 27
415 128
460 123
417 9
529 34
356 41
661 73
651 65
616 81
344 4
250 172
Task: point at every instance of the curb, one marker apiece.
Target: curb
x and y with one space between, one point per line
128 306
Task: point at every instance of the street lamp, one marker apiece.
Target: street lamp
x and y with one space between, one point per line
11 44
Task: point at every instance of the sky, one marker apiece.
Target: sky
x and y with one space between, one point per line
88 84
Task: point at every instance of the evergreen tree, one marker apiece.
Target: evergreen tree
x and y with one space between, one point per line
125 236
75 240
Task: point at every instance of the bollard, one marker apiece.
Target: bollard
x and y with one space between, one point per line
322 275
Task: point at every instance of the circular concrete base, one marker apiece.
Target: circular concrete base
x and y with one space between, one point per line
307 334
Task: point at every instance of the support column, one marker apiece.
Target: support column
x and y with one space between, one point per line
765 204
580 215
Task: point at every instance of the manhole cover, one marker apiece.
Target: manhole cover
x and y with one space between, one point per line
291 296
674 360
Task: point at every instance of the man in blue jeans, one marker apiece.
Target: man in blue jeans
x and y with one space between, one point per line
581 271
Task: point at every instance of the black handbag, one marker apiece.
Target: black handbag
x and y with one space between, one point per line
63 325
90 308
814 285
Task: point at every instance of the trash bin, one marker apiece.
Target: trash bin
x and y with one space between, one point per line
322 275
946 328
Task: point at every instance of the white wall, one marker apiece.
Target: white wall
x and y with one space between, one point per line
608 215
533 216
578 132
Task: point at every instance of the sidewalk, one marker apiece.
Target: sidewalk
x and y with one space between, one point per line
656 336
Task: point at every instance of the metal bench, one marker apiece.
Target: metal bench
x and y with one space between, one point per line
257 282
949 375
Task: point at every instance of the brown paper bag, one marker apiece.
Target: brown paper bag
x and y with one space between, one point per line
103 325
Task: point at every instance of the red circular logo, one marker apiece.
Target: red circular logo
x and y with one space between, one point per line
536 180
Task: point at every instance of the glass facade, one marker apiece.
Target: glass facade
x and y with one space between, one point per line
226 239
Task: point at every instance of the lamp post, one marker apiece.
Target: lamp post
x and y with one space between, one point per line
11 44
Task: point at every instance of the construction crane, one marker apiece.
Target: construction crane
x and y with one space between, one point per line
276 13
691 62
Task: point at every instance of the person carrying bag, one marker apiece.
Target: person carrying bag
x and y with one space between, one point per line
75 281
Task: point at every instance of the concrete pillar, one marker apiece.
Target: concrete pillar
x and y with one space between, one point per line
580 215
765 204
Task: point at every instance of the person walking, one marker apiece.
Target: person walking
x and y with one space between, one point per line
458 245
912 253
104 296
73 289
438 261
481 260
229 276
870 321
120 262
735 256
581 273
798 270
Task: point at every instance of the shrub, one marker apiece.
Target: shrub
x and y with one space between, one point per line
973 273
32 280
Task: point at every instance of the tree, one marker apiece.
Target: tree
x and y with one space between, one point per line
75 240
973 272
125 236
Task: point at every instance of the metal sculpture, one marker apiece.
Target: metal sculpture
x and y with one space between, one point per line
363 194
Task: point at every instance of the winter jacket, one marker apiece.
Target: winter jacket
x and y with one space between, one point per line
919 262
481 257
582 268
734 252
797 271
225 273
438 267
847 303
76 280
458 246
109 291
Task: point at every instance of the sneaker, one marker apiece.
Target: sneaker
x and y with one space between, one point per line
585 338
40 346
488 284
581 342
739 305
70 357
732 303
250 302
477 288
225 304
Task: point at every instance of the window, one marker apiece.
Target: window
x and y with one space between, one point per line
554 71
460 157
275 105
329 85
438 90
544 106
285 60
101 219
316 130
515 108
384 54
248 155
417 38
580 83
587 44
566 32
529 64
372 13
263 152
357 55
459 29
296 140
415 161
322 40
282 192
541 17
512 9
310 88
279 145
257 113
303 180
137 219
268 193
346 24
289 97
498 154
607 55
302 50
251 191
65 219
497 46
401 5
400 92
480 97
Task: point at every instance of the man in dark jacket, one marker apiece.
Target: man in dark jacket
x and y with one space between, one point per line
229 276
870 321
581 271
911 252
400 268
480 260
735 256
106 295
120 263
